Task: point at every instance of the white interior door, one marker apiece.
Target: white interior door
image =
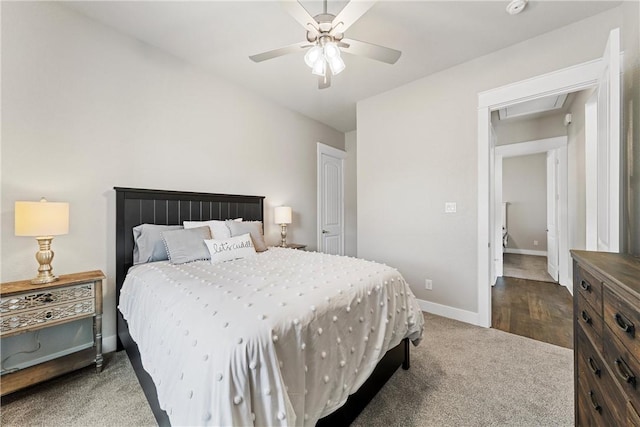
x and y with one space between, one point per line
608 150
330 200
552 214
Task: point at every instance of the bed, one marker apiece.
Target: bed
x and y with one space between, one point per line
306 347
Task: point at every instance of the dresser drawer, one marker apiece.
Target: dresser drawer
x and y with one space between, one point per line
591 410
633 419
590 319
25 320
594 375
624 366
623 320
589 287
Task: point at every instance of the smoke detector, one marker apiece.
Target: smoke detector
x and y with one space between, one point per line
516 6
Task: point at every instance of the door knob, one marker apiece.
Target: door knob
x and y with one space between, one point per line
325 232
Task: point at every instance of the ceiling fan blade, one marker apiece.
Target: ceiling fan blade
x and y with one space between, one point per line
300 14
293 48
324 81
350 14
373 51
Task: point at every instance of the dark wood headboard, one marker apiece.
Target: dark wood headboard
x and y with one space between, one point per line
135 206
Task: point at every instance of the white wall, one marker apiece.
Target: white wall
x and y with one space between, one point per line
350 195
417 149
86 109
524 187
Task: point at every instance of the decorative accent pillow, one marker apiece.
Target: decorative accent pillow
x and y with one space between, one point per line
148 243
232 248
252 227
187 245
219 229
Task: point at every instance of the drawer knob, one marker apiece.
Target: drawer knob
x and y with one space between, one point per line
624 324
624 371
594 403
593 366
585 317
585 285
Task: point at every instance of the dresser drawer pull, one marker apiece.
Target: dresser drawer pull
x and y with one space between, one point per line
624 324
594 403
624 372
594 367
585 285
585 317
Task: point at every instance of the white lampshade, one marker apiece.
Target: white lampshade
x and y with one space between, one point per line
283 215
336 64
312 55
41 218
319 68
331 50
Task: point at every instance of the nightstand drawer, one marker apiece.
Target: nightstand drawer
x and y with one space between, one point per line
11 306
28 319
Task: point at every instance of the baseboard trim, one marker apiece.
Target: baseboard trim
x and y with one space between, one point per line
449 312
524 252
109 343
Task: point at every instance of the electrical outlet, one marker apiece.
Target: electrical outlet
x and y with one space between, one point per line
535 243
428 284
450 207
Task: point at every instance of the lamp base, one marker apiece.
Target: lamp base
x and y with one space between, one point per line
44 278
44 257
283 235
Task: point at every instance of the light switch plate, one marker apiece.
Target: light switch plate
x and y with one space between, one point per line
450 207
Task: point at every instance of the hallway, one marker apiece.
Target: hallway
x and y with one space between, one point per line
534 309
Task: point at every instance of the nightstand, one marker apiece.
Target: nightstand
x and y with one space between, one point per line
296 246
25 307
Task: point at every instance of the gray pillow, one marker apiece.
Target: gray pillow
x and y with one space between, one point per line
187 245
148 243
252 227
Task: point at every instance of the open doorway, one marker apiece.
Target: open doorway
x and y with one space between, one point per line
602 74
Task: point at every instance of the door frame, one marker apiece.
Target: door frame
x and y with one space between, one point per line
341 155
571 79
559 145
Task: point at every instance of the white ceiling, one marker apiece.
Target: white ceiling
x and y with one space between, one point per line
432 35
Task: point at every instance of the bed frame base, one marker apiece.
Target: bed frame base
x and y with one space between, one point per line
394 358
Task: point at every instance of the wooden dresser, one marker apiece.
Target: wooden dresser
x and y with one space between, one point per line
606 307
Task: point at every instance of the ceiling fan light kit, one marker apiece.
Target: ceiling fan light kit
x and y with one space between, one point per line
317 58
325 40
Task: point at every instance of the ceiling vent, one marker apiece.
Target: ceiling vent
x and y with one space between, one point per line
540 105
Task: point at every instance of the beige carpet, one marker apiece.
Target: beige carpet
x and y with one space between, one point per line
529 267
461 375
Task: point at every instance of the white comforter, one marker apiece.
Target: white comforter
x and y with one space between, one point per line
281 338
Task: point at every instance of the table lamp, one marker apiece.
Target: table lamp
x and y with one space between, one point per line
283 217
43 220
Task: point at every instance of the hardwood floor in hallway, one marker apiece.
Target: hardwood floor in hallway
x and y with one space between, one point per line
539 310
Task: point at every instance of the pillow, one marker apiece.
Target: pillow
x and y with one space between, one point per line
187 245
232 248
252 227
148 244
219 229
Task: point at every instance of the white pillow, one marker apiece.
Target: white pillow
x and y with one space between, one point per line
233 248
219 229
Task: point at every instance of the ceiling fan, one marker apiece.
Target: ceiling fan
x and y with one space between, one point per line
325 40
